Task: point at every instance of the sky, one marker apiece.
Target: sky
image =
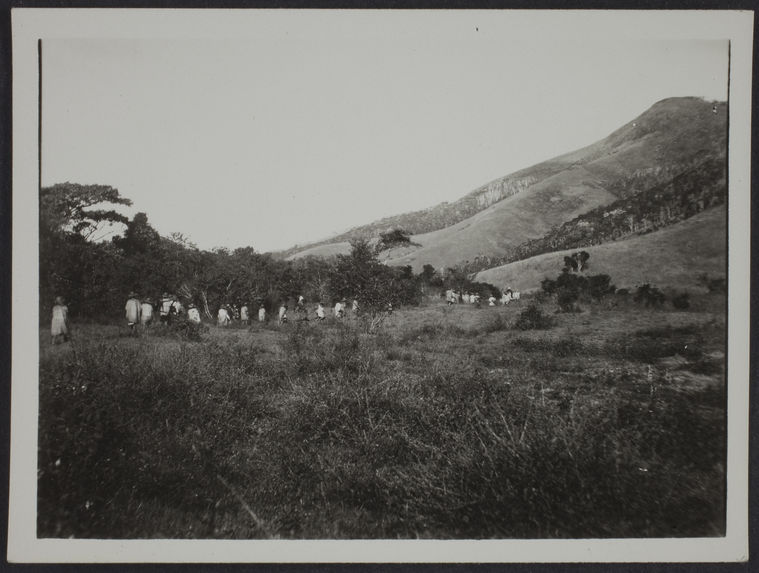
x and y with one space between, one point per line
302 129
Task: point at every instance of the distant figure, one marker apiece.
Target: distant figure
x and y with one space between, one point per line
339 310
59 326
132 309
244 314
355 306
283 313
390 308
491 300
515 295
176 308
301 301
164 308
320 312
262 313
476 300
146 312
222 318
193 314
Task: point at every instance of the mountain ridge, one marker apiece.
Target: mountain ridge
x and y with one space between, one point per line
525 205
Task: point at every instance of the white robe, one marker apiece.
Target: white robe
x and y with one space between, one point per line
146 312
59 324
132 311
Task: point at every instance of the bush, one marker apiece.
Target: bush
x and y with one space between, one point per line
599 286
681 301
532 318
393 238
566 297
649 295
570 287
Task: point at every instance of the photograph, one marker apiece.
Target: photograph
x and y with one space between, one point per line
429 278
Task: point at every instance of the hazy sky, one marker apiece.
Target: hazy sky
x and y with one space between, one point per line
301 131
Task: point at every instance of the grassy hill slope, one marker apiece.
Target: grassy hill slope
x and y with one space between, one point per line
671 136
671 257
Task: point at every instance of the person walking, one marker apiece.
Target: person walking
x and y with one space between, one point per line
262 313
193 314
132 308
283 313
244 314
146 312
164 307
177 310
222 318
59 326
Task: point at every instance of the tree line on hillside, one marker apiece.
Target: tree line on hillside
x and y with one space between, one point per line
94 275
681 197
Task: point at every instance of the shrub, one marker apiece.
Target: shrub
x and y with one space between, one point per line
393 238
599 286
566 297
532 318
681 301
649 295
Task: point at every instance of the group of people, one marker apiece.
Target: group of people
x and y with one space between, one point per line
140 313
227 313
454 297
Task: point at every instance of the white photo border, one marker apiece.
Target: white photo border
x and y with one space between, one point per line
31 24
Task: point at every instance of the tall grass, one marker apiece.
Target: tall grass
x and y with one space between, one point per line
322 436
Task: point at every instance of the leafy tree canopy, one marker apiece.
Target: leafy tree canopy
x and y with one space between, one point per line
71 207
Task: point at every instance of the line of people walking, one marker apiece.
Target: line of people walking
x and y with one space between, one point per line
140 313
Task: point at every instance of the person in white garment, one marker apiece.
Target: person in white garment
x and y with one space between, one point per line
222 318
164 307
146 312
59 326
283 313
262 313
320 311
244 314
193 314
491 300
177 310
132 308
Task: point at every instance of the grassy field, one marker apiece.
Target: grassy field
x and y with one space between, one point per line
443 423
670 257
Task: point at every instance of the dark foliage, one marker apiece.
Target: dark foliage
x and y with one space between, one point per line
649 296
681 301
533 318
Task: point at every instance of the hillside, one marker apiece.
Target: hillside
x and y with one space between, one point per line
670 257
682 197
674 135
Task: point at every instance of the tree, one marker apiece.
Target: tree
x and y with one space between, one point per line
139 236
360 275
393 238
71 263
69 207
